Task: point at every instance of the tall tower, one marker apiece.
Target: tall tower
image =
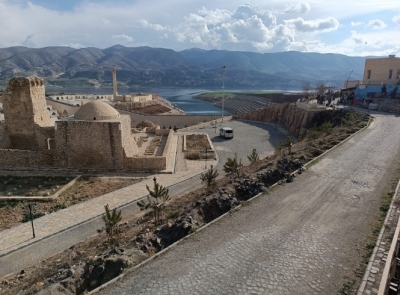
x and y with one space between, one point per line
114 76
25 112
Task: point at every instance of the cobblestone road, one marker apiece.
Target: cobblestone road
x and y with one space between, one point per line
301 238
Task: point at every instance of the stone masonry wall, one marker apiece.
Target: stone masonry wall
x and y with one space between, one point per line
128 142
145 163
170 150
293 119
4 142
24 159
25 109
89 145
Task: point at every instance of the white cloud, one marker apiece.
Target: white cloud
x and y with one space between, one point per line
156 27
376 24
358 38
74 45
355 24
396 19
122 37
276 25
322 25
297 8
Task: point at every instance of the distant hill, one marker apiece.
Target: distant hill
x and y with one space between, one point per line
146 66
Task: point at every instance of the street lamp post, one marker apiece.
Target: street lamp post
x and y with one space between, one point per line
206 159
31 216
223 91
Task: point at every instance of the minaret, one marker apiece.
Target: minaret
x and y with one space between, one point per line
114 76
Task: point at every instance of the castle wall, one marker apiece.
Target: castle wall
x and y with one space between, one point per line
128 143
25 159
4 141
61 108
170 150
89 145
145 163
25 110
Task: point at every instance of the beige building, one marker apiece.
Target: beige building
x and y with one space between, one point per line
382 70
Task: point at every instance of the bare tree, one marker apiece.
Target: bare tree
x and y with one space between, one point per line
307 89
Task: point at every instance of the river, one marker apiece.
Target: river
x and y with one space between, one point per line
181 98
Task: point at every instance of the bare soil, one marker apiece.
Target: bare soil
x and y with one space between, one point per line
31 186
13 212
40 277
196 145
197 142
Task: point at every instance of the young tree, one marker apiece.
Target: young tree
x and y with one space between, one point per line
307 89
232 167
111 219
289 143
160 195
209 177
254 157
279 147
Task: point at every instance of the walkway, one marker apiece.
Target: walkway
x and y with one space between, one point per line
21 236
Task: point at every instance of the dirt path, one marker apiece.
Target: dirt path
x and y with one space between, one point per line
302 238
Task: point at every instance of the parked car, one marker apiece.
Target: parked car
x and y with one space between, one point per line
226 132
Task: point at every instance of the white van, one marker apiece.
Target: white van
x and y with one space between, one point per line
226 132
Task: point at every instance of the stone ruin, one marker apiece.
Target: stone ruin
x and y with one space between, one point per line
97 137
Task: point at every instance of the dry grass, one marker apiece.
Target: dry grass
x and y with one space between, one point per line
198 142
153 109
86 188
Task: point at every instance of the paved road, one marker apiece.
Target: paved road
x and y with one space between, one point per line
247 136
256 135
302 238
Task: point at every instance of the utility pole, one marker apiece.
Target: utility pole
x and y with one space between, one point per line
347 82
223 91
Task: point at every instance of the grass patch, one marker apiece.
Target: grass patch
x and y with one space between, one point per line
218 94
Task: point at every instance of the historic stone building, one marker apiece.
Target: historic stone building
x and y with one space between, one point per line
97 137
27 121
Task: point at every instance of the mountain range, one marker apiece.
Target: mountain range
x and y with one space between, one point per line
160 67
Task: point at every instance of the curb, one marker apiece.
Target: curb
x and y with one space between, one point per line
40 198
386 268
99 215
225 214
340 143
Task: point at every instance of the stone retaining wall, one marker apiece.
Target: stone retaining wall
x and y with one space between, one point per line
22 159
170 151
206 124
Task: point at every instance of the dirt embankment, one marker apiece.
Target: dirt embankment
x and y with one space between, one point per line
292 118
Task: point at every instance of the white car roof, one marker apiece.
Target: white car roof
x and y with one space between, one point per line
226 128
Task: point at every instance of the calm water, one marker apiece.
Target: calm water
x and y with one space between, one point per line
181 98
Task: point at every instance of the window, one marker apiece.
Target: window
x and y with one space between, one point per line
369 74
390 74
398 74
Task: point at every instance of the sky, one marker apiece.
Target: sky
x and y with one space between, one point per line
354 28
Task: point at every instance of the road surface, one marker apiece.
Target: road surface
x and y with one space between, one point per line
301 238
